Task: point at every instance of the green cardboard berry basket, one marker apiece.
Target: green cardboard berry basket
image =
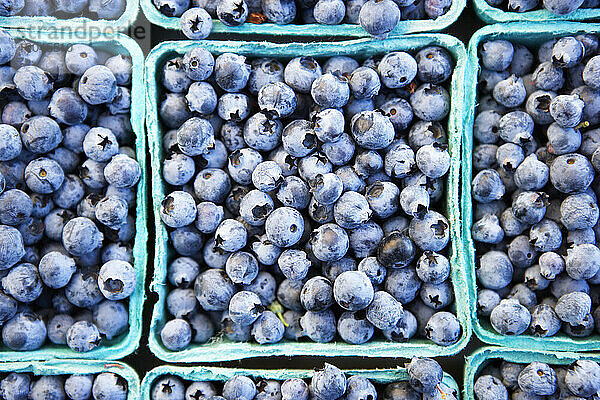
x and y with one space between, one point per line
492 15
207 374
220 349
127 343
529 34
71 367
79 25
310 30
482 357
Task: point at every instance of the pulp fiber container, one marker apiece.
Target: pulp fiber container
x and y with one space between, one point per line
493 15
531 35
126 343
482 357
70 367
79 25
220 349
221 375
310 30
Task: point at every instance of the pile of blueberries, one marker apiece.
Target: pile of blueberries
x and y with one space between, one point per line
503 380
535 187
103 386
67 195
557 7
377 17
64 9
301 199
328 383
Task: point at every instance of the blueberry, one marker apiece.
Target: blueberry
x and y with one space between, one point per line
168 387
573 307
327 188
200 389
58 327
317 294
232 12
538 106
264 71
280 12
7 47
109 385
424 374
111 211
329 382
301 72
329 12
294 192
443 329
544 321
277 100
122 171
571 173
547 76
294 389
15 386
538 378
231 72
176 335
242 268
430 102
591 72
385 312
268 389
245 308
212 184
11 144
24 332
582 377
117 280
567 110
41 134
32 83
545 236
329 242
379 17
171 8
353 290
200 98
329 90
431 232
268 328
364 83
83 336
233 107
98 85
214 289
497 55
562 8
23 283
195 137
111 318
178 209
319 326
242 164
267 176
56 269
79 387
284 226
354 328
510 92
510 317
488 387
